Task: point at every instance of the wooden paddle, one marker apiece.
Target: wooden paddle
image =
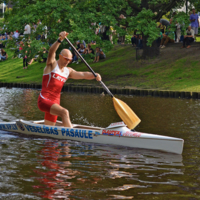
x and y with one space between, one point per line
123 110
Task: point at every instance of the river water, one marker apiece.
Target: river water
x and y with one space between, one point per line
43 168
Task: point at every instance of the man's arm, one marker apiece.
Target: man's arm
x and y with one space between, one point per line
52 51
83 75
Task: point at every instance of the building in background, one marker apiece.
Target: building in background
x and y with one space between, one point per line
3 8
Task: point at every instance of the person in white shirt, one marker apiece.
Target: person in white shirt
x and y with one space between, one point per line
27 29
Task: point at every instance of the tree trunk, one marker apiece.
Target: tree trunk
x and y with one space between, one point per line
149 51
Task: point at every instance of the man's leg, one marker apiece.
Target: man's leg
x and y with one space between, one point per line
61 112
162 41
187 41
166 40
49 123
184 41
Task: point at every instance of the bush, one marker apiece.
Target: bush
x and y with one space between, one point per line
128 39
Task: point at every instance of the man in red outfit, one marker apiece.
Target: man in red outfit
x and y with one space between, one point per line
55 75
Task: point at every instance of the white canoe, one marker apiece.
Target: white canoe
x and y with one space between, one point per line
115 134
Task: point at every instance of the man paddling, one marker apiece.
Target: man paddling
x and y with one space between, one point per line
55 75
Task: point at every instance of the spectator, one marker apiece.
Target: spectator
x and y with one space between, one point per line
140 42
16 35
81 50
122 38
105 36
3 55
178 32
134 39
1 45
89 49
162 27
99 55
78 43
194 18
159 39
10 36
189 38
44 36
44 55
34 27
25 62
112 32
4 37
166 39
27 29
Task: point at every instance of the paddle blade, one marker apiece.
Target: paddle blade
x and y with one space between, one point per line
126 114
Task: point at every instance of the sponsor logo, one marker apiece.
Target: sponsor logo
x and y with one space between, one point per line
111 132
20 125
59 78
43 129
131 134
96 133
76 133
117 124
8 127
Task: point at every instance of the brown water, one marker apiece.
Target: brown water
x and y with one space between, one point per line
42 168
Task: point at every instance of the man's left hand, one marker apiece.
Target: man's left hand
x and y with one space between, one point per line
98 78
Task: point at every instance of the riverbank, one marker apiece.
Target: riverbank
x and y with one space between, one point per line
175 69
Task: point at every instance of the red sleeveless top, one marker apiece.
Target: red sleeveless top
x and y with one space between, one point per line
53 82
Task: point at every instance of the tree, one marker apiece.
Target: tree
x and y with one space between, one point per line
82 17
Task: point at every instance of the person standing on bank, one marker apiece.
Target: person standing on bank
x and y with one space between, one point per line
55 75
194 18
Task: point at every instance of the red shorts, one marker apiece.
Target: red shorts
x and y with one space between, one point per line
45 105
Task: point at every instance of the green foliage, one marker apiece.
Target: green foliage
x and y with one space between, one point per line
144 24
128 39
77 16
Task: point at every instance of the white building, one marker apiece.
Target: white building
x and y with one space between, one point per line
2 9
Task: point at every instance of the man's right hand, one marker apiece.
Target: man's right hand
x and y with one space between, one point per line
63 35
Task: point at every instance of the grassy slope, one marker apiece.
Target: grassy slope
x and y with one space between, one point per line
174 69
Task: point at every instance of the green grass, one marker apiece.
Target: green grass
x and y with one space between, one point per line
120 69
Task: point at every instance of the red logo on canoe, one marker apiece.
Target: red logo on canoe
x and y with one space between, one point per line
111 132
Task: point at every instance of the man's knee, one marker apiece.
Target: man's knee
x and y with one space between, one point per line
64 113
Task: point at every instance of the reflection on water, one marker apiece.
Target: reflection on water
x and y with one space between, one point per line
42 168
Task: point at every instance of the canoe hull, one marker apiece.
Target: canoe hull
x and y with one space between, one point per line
114 135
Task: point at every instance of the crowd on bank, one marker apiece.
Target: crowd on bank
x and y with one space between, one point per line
86 50
166 36
83 48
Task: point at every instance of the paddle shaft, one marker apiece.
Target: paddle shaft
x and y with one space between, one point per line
103 85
